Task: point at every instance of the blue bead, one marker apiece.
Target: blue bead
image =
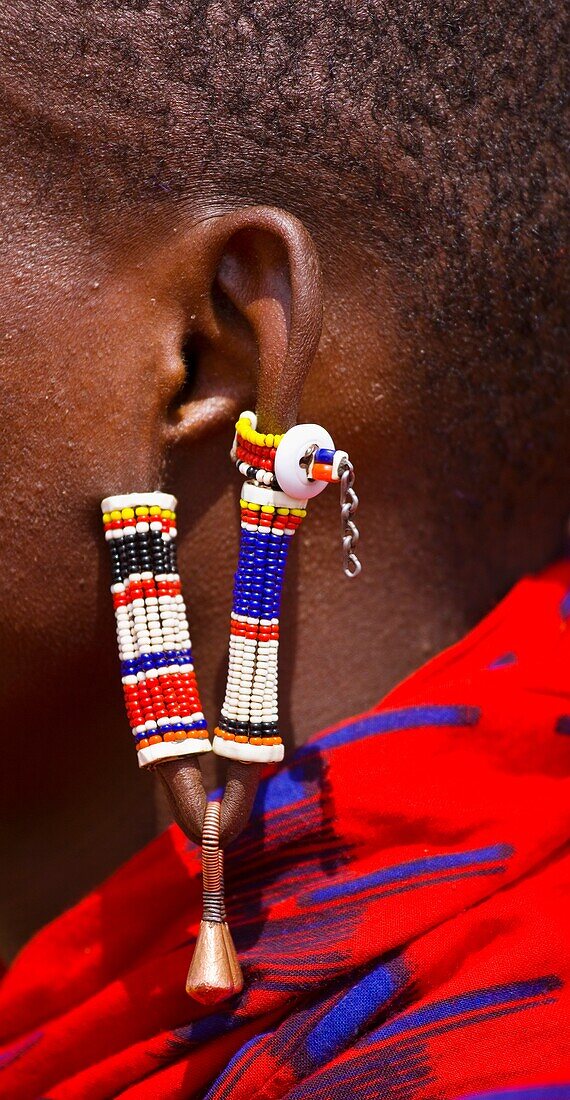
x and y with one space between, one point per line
324 454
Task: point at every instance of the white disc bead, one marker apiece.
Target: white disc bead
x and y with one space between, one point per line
291 476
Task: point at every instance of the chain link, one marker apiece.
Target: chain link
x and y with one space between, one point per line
350 533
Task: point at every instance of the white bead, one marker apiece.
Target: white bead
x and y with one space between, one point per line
235 750
138 500
338 457
291 476
260 494
172 750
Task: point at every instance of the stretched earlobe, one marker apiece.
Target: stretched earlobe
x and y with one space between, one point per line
270 273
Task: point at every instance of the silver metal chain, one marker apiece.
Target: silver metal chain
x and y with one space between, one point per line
350 533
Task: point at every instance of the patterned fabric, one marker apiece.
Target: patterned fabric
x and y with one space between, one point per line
399 902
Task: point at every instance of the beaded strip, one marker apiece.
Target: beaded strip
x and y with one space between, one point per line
157 670
254 452
248 729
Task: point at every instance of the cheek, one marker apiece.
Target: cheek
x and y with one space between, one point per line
79 423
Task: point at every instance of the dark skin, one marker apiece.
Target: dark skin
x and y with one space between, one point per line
100 318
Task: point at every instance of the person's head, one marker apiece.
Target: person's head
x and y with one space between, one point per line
174 177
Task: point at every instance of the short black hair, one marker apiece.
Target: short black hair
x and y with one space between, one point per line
432 129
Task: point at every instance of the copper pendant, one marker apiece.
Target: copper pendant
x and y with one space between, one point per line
215 973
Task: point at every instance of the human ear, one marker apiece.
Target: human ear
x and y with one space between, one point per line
254 306
254 302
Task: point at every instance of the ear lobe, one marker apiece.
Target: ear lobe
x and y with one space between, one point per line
256 313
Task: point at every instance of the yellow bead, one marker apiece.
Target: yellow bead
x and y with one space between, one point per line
267 508
128 513
269 440
106 517
155 510
115 514
141 511
282 511
298 512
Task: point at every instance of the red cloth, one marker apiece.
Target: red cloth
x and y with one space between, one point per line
399 902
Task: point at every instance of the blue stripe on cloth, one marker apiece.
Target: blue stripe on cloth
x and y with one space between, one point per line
563 724
470 1002
227 1073
403 872
283 789
295 784
539 1092
347 1018
391 721
503 661
565 606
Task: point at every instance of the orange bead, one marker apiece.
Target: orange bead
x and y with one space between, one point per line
241 740
142 744
156 740
256 741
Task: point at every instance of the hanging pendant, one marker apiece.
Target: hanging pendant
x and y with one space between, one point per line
215 973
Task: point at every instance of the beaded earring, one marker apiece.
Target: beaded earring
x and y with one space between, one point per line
282 472
157 671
